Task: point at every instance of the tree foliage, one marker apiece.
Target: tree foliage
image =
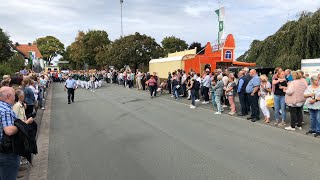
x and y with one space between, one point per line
294 41
172 44
50 47
134 50
198 46
12 65
5 47
86 47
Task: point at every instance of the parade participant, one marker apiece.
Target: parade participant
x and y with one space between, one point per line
9 161
82 80
100 79
70 85
92 82
87 81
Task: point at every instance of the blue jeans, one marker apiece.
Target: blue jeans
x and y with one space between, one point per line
175 92
279 103
214 104
9 166
315 120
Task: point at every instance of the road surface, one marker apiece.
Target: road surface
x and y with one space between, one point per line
122 134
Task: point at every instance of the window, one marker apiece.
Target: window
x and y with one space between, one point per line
228 54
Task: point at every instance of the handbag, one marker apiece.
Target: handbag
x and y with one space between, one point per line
269 100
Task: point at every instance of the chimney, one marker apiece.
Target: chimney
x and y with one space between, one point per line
29 44
17 44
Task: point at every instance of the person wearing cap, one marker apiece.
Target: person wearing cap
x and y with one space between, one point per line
70 85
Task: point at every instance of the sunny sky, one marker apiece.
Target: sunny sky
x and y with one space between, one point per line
191 20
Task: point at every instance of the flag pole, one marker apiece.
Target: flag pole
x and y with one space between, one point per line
121 2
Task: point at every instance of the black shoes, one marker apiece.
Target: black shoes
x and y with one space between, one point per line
310 132
317 134
249 118
254 120
69 103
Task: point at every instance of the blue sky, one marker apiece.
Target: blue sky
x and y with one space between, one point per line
191 20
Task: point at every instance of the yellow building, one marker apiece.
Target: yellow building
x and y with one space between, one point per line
173 62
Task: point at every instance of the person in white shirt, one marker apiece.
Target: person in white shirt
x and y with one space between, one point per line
207 86
183 84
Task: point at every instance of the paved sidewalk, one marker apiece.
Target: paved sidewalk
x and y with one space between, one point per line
38 170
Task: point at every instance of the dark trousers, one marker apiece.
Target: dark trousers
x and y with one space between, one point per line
197 94
184 90
206 94
296 116
143 83
9 165
247 102
224 100
254 105
29 111
243 103
193 97
153 90
169 87
70 94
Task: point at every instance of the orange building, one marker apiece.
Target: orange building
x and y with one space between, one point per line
215 57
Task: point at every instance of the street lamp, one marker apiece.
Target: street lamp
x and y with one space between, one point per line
121 2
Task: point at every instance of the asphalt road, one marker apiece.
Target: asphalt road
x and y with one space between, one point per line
122 134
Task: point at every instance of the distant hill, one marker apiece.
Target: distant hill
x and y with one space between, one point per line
294 41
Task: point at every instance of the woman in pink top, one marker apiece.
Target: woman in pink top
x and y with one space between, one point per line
295 100
152 86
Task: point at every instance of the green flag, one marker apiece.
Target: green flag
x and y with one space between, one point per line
221 18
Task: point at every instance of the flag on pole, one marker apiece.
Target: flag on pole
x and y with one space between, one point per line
221 19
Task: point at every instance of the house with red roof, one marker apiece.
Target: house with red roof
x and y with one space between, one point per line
27 48
31 49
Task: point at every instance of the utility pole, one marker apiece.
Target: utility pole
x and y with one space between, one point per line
121 2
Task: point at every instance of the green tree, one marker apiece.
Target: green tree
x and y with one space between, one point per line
198 46
12 65
50 47
85 48
172 44
295 40
5 47
93 42
134 50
